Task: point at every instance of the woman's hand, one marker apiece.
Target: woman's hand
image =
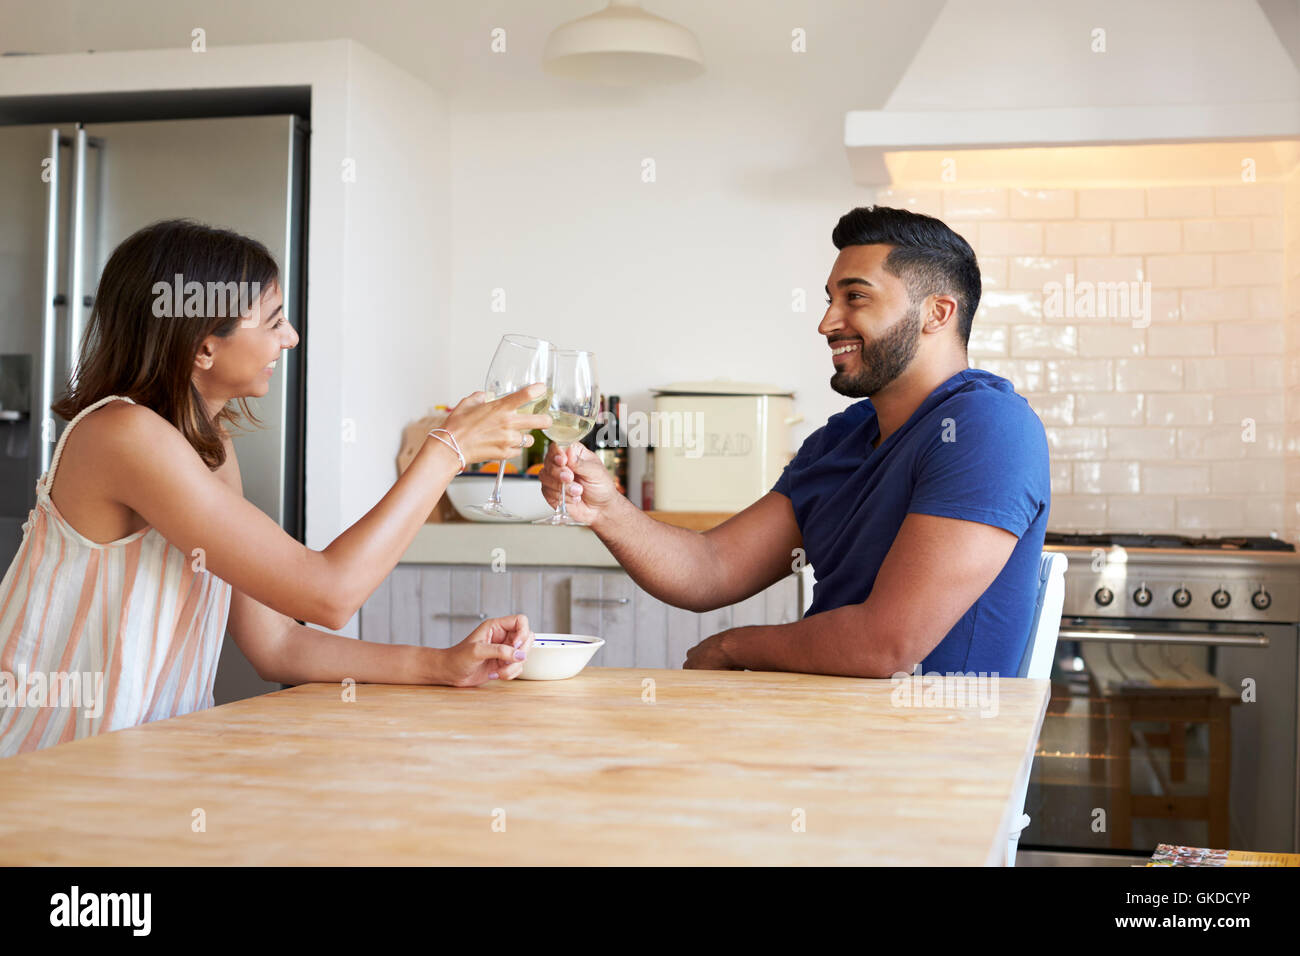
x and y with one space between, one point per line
495 649
492 431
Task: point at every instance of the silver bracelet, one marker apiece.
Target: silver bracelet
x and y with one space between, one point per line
450 442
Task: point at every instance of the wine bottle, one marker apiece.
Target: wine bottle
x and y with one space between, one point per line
619 443
589 440
648 480
606 442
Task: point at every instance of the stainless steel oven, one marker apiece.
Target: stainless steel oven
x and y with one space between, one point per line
1174 708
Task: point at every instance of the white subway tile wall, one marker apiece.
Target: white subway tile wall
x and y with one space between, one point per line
1157 334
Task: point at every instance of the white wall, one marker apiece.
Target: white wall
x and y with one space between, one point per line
394 329
377 246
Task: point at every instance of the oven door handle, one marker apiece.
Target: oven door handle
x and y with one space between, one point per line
1163 637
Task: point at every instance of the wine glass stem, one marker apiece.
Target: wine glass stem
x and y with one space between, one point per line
496 488
563 509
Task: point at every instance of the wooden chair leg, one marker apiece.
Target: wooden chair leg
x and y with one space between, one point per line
1119 776
1097 722
1220 774
1177 750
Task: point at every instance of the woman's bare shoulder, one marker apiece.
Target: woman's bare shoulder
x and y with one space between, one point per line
123 420
124 429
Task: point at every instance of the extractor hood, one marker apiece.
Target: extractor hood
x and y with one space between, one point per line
1025 75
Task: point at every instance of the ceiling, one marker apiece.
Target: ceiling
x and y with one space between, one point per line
856 50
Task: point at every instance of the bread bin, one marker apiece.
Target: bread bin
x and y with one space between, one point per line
720 445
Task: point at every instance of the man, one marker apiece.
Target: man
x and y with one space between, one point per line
922 508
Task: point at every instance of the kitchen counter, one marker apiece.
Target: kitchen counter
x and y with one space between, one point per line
474 542
718 767
522 543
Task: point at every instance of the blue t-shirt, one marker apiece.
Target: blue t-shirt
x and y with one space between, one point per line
974 450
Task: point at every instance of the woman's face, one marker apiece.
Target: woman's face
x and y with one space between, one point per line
241 364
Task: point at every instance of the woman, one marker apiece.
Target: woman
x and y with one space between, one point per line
141 545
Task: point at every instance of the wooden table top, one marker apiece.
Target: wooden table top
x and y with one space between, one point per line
583 771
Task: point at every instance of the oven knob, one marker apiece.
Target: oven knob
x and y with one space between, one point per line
1220 599
1142 596
1104 596
1261 599
1182 597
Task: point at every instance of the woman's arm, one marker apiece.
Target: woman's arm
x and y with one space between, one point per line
149 467
282 650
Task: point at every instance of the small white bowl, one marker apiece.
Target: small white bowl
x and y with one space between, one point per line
559 656
520 494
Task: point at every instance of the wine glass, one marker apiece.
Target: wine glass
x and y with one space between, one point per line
574 404
520 360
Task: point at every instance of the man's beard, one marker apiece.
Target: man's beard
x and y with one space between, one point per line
883 360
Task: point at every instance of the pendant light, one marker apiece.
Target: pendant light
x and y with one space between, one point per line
623 45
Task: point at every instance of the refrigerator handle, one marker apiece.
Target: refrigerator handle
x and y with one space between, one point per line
77 265
49 320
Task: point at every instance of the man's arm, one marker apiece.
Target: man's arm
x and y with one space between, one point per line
699 572
934 571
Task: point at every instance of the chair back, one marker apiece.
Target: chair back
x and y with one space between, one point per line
1046 624
1037 660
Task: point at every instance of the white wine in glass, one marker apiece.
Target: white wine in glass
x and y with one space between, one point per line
574 405
520 360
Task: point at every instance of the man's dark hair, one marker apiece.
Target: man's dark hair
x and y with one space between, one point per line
928 256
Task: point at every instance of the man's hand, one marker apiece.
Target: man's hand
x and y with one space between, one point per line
711 654
591 488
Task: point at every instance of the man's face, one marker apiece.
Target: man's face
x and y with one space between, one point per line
871 326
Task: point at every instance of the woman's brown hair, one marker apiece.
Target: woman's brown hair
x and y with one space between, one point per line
132 347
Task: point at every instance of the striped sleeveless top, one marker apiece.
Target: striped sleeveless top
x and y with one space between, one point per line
98 637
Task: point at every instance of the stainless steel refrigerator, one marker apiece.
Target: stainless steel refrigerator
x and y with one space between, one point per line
71 193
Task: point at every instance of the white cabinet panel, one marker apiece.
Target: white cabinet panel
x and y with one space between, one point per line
751 611
438 606
584 603
456 610
526 596
374 613
497 600
683 634
783 601
555 603
618 622
651 630
435 600
404 621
